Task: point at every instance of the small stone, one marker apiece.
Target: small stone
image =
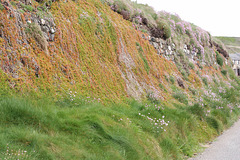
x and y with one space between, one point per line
173 46
51 37
169 48
43 22
180 83
155 45
52 30
45 29
153 39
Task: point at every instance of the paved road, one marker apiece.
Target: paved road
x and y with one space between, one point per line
226 146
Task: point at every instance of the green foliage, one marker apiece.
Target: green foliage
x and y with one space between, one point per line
172 79
77 125
140 50
205 81
21 11
219 59
143 30
155 16
162 87
169 148
216 124
13 3
121 5
224 72
1 7
27 7
164 26
191 65
181 97
192 90
197 110
138 44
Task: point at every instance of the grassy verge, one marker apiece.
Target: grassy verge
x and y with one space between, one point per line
78 128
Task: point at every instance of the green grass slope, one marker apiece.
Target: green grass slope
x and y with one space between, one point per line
81 129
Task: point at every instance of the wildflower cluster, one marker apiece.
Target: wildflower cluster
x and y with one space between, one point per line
230 106
209 78
149 107
221 90
213 96
19 154
72 96
217 107
125 120
199 37
157 124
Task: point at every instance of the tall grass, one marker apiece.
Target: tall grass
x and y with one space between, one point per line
80 129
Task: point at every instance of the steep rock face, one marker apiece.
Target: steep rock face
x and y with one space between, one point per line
86 47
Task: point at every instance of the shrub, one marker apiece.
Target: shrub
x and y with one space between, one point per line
118 6
219 59
125 14
154 16
165 28
224 72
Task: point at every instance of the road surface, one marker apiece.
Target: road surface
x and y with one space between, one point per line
226 146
